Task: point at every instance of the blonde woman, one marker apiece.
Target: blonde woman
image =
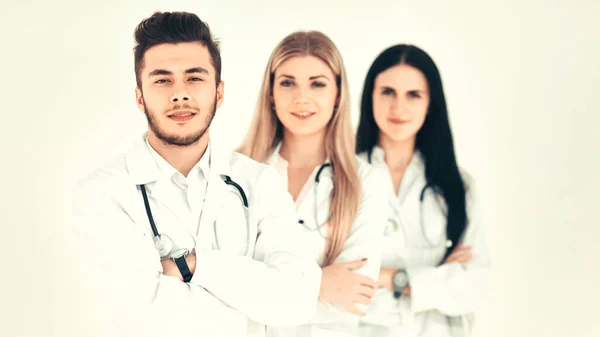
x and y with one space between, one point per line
302 129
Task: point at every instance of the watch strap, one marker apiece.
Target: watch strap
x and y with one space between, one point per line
183 268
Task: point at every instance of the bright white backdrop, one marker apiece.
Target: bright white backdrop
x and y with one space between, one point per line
519 77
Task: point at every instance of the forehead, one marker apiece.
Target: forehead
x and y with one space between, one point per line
177 57
304 67
402 77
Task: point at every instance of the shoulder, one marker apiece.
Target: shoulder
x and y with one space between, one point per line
468 181
103 186
374 178
109 174
363 156
256 176
246 168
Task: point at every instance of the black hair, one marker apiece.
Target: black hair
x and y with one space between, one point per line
434 139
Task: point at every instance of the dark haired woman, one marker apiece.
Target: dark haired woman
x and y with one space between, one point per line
435 257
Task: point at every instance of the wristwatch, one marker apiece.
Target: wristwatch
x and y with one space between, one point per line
399 281
179 257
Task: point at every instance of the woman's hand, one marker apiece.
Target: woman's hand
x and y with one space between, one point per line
460 254
342 286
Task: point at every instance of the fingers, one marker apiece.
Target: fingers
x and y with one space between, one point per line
365 281
353 265
353 309
366 292
462 255
460 249
361 299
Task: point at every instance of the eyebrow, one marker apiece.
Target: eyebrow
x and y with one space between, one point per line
310 78
158 72
385 87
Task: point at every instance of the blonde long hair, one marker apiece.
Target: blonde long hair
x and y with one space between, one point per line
267 131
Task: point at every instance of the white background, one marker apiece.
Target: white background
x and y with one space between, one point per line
520 78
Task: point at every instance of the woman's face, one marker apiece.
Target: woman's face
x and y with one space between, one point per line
400 102
304 94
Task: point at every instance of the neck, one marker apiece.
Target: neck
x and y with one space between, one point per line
303 151
397 153
182 158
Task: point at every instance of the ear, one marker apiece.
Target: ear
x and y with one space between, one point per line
220 94
139 99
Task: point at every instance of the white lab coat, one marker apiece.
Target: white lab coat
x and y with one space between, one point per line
443 297
365 241
275 284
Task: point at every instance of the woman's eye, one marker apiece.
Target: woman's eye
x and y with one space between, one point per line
286 83
388 92
414 94
318 85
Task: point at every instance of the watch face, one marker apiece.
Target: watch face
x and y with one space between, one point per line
400 279
179 253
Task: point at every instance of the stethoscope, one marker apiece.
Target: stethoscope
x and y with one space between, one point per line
316 190
164 244
396 222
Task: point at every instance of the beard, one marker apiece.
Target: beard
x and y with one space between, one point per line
180 140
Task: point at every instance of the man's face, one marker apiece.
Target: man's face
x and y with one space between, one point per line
178 95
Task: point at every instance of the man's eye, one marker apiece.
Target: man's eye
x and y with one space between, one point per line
161 81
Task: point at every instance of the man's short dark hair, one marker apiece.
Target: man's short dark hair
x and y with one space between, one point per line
173 27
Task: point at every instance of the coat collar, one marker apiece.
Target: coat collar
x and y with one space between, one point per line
144 169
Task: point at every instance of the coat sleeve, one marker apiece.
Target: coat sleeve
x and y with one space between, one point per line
454 289
280 286
365 240
123 273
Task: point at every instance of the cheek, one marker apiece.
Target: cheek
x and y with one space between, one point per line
420 112
204 95
380 111
282 99
326 104
154 96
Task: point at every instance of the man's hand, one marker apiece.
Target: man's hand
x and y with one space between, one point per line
170 267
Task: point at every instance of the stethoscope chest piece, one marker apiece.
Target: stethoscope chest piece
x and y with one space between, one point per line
163 245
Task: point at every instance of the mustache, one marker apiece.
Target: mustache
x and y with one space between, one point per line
182 107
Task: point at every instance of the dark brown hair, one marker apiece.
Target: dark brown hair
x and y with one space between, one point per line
173 27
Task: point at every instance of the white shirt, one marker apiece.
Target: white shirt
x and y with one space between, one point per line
186 197
437 292
364 241
250 270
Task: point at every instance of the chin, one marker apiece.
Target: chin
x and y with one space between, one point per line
400 137
304 131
